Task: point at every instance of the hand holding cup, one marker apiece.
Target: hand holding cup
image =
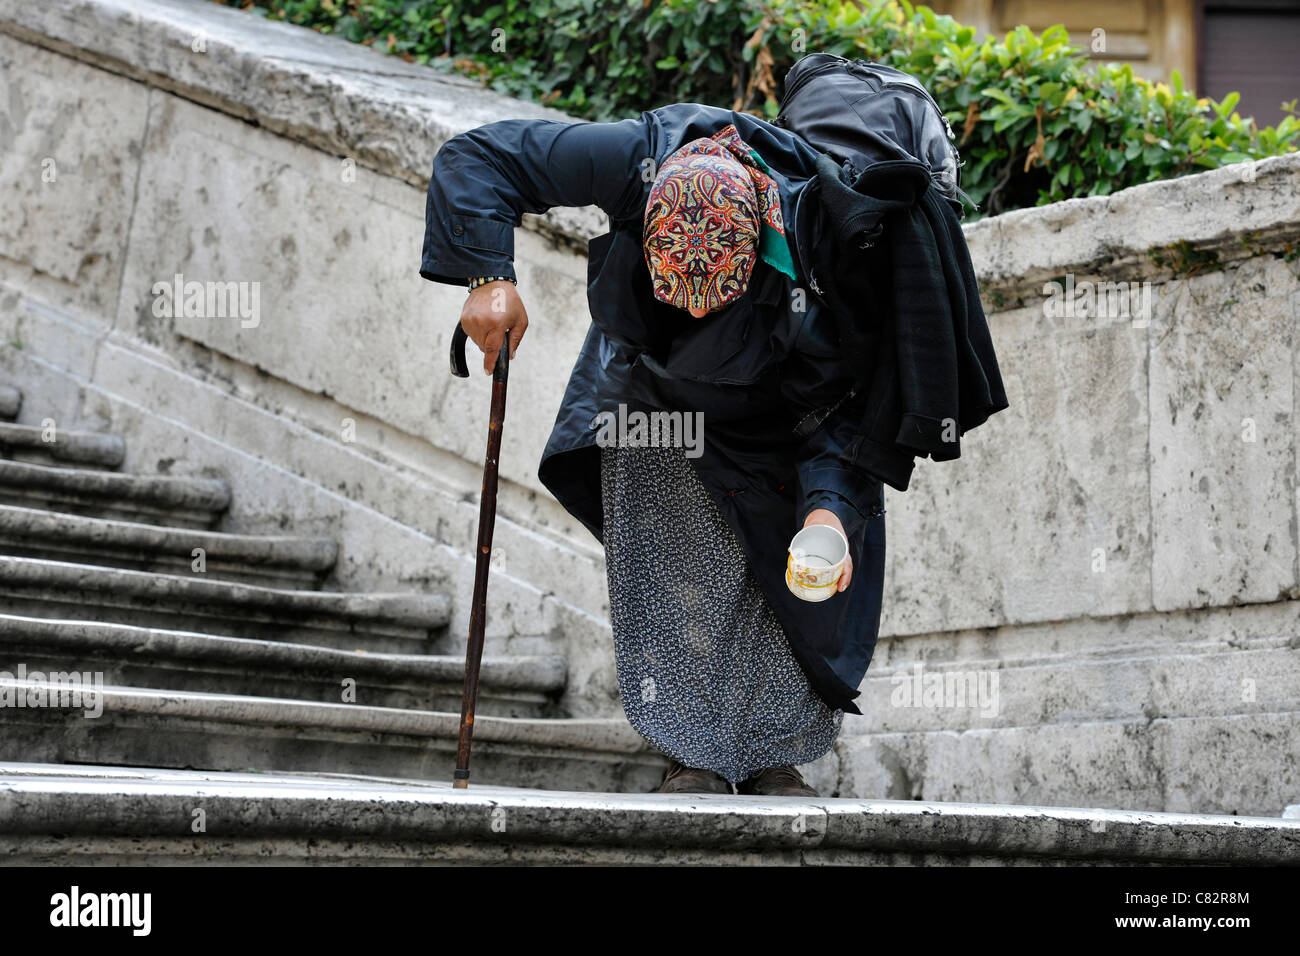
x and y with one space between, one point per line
818 565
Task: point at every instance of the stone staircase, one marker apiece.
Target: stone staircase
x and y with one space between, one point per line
226 652
314 725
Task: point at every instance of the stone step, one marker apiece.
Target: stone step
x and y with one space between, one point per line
185 661
397 622
11 402
82 448
157 499
97 815
280 561
184 729
1148 763
1126 683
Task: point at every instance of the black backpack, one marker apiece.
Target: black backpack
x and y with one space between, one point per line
861 113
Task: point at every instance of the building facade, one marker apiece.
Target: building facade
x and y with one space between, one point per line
1218 46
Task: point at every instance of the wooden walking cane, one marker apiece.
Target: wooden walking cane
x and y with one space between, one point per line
487 516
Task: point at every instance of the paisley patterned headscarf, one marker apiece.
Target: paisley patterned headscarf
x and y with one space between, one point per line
713 212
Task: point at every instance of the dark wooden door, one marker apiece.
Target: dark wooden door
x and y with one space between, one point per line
1252 47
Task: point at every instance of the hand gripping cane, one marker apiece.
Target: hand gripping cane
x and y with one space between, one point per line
487 515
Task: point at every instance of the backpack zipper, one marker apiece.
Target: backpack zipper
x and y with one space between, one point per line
923 92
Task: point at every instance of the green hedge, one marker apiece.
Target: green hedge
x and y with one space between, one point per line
1034 123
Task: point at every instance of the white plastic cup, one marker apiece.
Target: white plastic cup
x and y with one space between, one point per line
817 557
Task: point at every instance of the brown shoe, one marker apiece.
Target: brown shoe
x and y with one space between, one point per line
776 782
681 779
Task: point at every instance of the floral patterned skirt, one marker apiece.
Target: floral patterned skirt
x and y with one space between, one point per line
705 670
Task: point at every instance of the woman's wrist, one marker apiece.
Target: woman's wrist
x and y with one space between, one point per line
475 281
827 517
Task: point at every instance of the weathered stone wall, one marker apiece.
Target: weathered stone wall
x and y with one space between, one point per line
1119 549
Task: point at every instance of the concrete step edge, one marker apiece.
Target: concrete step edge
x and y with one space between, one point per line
593 735
89 448
34 525
537 673
11 402
169 491
402 608
45 799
